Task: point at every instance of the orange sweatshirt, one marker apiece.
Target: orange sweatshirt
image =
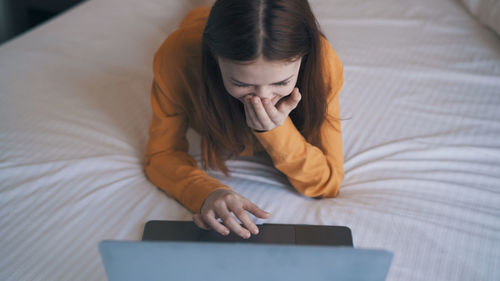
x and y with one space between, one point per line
177 78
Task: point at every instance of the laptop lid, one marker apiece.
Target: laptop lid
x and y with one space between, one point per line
207 261
301 234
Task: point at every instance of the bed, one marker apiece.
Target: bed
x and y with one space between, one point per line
421 137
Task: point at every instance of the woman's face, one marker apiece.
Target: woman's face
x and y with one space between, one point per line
272 80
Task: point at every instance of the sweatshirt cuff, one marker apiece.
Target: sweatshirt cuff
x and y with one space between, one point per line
194 197
283 141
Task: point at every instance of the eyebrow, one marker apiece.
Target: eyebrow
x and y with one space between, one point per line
243 83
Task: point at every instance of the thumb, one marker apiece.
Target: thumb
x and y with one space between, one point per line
291 102
256 211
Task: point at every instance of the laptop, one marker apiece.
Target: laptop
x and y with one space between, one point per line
299 234
210 261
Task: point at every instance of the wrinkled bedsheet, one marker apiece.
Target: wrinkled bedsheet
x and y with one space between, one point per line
421 134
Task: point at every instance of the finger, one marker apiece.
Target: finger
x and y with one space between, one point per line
254 122
255 210
273 113
231 223
200 223
261 113
242 215
210 219
248 115
275 100
280 100
291 102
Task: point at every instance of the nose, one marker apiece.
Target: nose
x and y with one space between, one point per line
263 92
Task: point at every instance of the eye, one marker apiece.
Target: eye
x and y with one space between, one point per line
241 85
284 83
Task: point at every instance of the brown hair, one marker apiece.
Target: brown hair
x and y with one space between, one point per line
243 30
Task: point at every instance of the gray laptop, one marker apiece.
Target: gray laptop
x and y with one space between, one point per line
207 261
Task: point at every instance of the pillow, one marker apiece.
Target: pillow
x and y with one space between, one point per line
487 12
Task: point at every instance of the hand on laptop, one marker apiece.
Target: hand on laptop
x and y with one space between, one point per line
219 204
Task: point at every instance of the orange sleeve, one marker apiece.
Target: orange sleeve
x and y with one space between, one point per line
312 172
167 162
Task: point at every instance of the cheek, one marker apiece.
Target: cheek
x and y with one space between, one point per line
283 93
286 91
236 92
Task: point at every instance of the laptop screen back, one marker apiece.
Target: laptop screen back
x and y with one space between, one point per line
183 261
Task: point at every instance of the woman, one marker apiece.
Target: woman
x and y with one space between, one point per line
249 77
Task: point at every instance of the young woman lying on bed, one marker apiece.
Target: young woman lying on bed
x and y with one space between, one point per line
248 76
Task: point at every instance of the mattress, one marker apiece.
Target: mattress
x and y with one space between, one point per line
421 131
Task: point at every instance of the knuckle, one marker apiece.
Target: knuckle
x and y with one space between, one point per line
232 200
227 217
205 217
240 213
219 203
229 197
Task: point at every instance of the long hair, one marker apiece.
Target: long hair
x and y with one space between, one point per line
244 30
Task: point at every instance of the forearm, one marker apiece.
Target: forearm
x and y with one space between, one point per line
309 170
179 176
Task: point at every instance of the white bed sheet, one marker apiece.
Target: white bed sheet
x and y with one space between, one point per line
421 139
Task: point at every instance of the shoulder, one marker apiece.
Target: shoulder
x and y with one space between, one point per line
182 48
333 68
330 56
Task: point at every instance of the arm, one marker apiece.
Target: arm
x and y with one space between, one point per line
168 164
312 172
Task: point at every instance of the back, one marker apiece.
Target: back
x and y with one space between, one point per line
179 261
